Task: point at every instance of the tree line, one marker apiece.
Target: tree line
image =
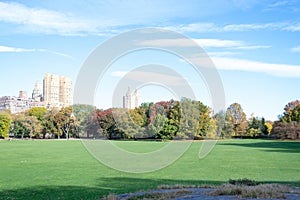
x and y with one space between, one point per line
288 125
165 120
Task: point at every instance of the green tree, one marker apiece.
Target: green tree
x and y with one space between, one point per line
138 117
288 126
220 123
90 124
206 124
255 127
50 128
33 126
291 112
169 129
38 112
156 127
172 121
129 123
65 121
157 117
83 114
236 115
224 124
229 125
27 126
18 128
189 119
108 127
212 129
5 123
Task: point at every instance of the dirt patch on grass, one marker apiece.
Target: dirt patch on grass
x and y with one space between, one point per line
268 191
209 192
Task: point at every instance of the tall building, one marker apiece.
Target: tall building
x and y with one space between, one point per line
23 94
65 91
57 90
132 99
37 93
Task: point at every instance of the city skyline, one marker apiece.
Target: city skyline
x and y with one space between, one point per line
57 93
254 45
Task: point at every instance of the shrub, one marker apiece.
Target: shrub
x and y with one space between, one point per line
243 181
257 191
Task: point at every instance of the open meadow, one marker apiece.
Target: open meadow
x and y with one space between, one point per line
60 169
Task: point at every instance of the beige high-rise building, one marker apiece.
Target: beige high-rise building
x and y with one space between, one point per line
132 100
65 91
58 90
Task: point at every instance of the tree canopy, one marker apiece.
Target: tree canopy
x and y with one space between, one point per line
166 120
288 126
5 122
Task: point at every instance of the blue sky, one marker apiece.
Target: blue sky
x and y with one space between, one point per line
254 44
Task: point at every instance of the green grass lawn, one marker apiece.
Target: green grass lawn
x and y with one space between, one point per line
65 170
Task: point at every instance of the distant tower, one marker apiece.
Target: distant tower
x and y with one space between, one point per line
65 91
137 99
131 100
127 99
23 94
37 93
51 88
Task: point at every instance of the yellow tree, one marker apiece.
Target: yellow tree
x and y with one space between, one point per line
269 127
5 121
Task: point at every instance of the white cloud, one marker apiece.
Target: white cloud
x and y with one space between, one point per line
54 52
42 20
282 70
293 27
287 6
295 49
7 49
217 43
253 47
148 76
226 63
181 42
196 27
278 4
223 62
14 49
211 27
204 43
251 27
119 73
54 22
222 53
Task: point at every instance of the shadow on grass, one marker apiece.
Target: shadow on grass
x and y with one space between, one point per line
116 185
53 192
270 146
104 187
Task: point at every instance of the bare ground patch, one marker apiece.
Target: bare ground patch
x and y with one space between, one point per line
209 192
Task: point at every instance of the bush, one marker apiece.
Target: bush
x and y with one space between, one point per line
282 130
243 181
269 191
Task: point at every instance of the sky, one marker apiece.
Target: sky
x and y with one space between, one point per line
254 44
